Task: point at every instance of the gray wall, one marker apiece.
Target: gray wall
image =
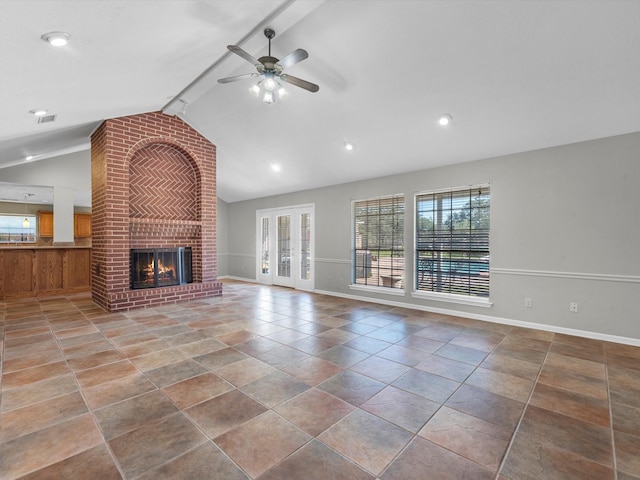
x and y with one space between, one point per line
222 237
565 227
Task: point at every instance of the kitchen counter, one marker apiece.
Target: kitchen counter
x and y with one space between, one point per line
34 270
17 246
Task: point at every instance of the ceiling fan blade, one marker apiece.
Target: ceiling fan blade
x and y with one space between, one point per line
238 77
293 58
298 82
247 56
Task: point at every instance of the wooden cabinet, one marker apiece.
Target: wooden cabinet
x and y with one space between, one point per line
45 224
82 225
31 272
16 273
48 270
78 268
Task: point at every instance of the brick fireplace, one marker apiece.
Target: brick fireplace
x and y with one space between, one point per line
153 187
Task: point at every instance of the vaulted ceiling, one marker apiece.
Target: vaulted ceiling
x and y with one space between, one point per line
514 75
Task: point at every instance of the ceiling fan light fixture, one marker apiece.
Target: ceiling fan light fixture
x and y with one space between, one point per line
269 89
268 97
269 83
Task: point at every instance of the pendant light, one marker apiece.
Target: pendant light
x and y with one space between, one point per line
26 223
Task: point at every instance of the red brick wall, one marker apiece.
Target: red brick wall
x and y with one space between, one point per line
153 185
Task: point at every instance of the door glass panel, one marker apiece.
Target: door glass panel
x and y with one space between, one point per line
305 246
284 246
265 245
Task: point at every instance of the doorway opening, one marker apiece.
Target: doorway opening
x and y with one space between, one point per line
285 246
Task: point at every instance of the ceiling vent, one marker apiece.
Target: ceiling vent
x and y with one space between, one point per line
47 119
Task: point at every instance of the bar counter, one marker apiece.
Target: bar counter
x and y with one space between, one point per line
35 270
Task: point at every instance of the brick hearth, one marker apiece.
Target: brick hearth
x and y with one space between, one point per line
153 185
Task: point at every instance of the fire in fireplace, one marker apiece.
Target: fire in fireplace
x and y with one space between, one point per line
160 267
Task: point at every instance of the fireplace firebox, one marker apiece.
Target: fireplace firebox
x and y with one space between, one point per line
160 267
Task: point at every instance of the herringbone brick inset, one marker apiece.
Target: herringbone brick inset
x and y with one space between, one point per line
162 184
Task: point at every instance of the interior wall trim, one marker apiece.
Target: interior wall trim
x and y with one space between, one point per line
602 277
242 255
488 318
333 260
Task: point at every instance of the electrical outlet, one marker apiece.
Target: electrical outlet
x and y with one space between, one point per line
573 307
528 303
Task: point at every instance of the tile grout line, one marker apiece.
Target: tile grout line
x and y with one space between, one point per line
524 411
84 399
207 439
613 437
442 404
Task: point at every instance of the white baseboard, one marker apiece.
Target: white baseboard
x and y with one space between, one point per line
474 316
488 318
240 279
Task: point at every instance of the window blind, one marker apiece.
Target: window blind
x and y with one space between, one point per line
378 233
452 242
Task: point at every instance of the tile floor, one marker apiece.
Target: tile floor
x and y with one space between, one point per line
271 383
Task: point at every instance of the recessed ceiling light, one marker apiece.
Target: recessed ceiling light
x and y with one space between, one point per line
275 167
56 39
349 146
38 112
445 119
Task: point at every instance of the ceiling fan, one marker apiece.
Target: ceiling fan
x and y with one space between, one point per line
271 71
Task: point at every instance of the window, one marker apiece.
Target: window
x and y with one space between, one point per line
264 245
305 246
452 242
283 240
378 235
17 229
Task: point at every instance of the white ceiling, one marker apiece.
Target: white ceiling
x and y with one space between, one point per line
515 76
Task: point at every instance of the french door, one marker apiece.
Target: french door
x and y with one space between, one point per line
285 246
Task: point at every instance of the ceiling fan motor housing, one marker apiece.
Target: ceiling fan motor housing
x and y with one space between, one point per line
270 63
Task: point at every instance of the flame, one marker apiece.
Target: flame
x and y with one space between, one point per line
162 270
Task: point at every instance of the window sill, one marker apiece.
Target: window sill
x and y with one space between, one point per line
449 298
384 290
